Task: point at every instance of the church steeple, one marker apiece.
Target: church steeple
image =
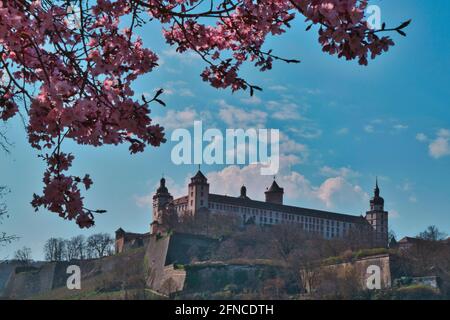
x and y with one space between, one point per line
377 202
376 190
161 199
378 218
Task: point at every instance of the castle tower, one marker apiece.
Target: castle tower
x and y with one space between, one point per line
274 194
243 193
378 218
198 192
160 199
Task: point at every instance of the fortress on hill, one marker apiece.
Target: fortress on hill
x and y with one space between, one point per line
272 211
184 261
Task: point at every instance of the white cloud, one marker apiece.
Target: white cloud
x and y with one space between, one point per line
440 147
406 186
185 118
306 132
184 92
188 56
312 91
289 146
421 137
400 127
252 100
444 133
238 118
345 172
284 110
394 214
369 128
278 88
343 131
332 193
381 125
338 191
175 88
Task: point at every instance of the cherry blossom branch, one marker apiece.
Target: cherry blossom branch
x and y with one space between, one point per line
74 81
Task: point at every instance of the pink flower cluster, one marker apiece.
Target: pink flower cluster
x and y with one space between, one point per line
83 80
239 34
76 83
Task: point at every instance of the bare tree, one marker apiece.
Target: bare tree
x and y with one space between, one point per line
432 233
76 248
99 245
55 249
23 255
4 237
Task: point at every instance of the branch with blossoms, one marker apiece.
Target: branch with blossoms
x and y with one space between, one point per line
67 68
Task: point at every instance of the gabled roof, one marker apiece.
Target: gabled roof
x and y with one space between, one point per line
275 187
199 174
285 209
199 178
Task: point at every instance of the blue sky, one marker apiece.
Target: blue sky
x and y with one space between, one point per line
341 125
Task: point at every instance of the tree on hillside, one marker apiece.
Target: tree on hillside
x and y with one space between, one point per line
23 255
432 233
99 245
76 248
69 70
55 249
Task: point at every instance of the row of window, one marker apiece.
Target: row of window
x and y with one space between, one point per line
328 232
270 217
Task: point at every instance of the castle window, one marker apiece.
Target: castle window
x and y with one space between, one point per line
201 202
192 202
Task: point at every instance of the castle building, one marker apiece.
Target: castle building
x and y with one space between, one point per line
272 211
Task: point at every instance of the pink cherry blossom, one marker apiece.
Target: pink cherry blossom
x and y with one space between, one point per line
76 83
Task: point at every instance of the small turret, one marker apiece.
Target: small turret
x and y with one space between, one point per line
274 194
243 193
